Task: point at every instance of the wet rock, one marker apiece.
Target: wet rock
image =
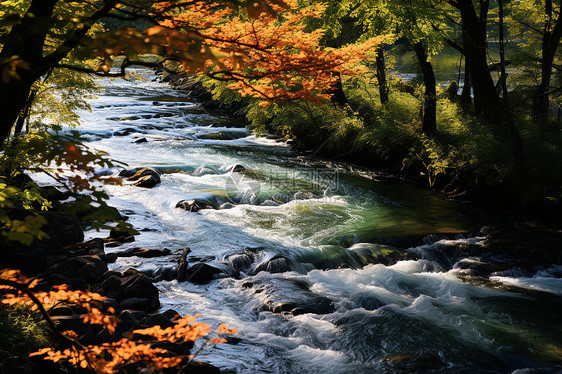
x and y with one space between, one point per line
202 273
236 169
127 131
125 173
108 302
118 234
138 285
239 261
277 264
182 265
227 206
144 172
144 253
291 296
145 177
147 182
112 287
129 321
91 247
135 303
192 205
164 273
141 140
77 271
163 320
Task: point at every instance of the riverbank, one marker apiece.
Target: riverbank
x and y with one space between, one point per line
462 160
64 262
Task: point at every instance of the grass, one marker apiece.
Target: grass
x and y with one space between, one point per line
22 331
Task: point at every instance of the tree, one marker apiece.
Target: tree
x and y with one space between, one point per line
259 45
539 23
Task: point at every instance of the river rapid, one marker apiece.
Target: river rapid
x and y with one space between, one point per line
328 269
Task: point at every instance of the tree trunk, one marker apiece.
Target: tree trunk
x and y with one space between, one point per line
338 95
381 75
26 40
466 94
515 138
486 99
430 97
550 42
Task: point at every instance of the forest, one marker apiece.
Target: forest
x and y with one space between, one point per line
369 186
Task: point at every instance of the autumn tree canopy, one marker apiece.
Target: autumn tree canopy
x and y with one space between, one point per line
261 46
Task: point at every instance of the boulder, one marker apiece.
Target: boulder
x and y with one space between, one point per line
92 247
141 140
236 169
277 264
192 205
135 303
163 320
202 273
143 173
112 287
138 285
144 253
239 261
147 182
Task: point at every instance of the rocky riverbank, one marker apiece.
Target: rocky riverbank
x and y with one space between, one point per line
64 258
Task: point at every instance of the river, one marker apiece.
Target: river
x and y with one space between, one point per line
379 269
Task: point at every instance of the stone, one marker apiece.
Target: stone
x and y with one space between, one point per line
237 169
141 140
181 274
277 264
143 173
163 320
138 285
191 205
239 261
147 182
135 303
202 273
144 253
112 287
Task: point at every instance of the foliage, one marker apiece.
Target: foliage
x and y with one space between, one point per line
137 350
70 163
22 331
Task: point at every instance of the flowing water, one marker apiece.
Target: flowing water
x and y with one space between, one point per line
370 265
